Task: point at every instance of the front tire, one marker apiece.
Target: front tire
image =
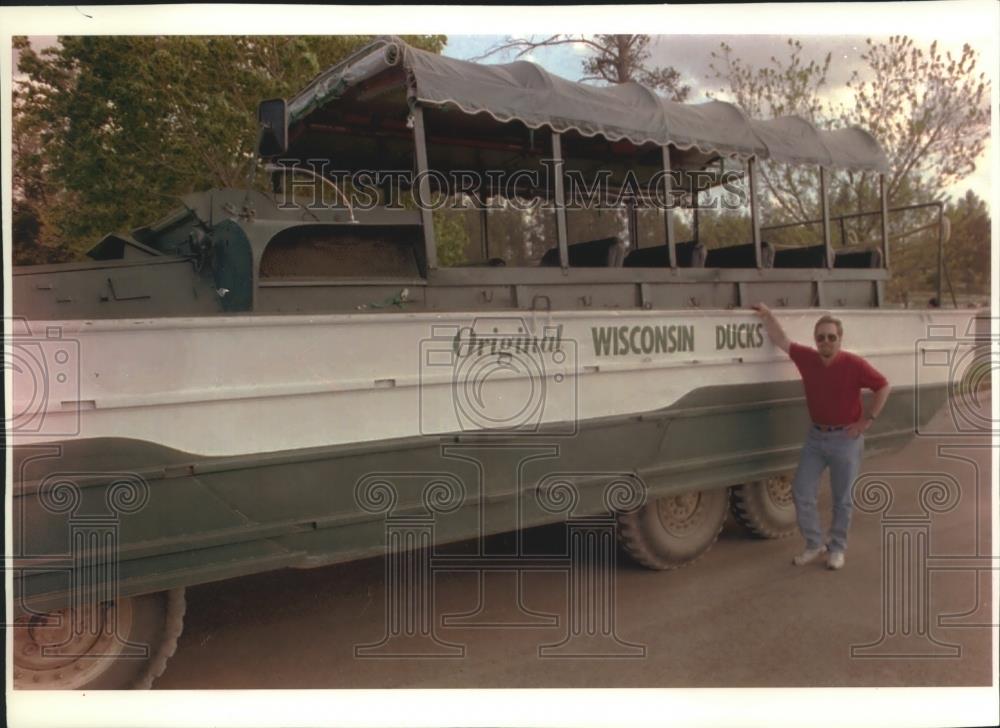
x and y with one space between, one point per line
674 531
765 507
111 646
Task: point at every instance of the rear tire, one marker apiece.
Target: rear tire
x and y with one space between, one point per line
111 646
674 531
765 507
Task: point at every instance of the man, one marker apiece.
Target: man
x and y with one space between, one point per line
833 380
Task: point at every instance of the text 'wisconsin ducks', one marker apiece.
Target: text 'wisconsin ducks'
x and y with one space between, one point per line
739 336
624 340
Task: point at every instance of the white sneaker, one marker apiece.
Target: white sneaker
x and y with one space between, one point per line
809 555
835 560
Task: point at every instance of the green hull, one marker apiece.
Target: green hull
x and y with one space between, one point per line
180 520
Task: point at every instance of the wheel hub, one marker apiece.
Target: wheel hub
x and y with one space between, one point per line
66 649
680 513
779 490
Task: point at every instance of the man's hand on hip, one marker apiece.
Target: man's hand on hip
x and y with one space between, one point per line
857 428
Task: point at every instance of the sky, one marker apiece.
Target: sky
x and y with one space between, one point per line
690 55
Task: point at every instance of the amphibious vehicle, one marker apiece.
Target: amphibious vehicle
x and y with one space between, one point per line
258 382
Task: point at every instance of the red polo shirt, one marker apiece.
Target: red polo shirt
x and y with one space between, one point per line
833 393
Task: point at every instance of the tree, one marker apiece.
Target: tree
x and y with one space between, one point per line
29 200
113 128
930 111
611 59
968 250
451 237
788 87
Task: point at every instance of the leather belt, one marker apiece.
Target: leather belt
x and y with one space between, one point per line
829 428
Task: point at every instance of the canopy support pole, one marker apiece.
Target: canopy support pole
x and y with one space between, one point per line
633 224
426 216
668 215
941 268
557 161
825 204
754 208
884 195
696 231
484 232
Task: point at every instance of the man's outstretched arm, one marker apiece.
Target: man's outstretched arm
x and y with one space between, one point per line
774 329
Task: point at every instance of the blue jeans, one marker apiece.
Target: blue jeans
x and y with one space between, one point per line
842 453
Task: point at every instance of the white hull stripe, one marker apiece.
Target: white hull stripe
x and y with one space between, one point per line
249 384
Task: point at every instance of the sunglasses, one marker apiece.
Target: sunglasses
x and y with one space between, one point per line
820 338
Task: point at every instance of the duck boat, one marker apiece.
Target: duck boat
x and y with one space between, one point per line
256 382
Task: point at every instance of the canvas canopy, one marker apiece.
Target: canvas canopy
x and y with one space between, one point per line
525 92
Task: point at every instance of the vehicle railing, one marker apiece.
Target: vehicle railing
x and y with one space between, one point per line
941 223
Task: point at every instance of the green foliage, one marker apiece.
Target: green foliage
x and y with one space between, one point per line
594 224
721 228
26 231
520 237
968 250
930 111
109 130
452 237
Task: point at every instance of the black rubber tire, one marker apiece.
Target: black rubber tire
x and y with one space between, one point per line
762 511
163 644
157 621
647 539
